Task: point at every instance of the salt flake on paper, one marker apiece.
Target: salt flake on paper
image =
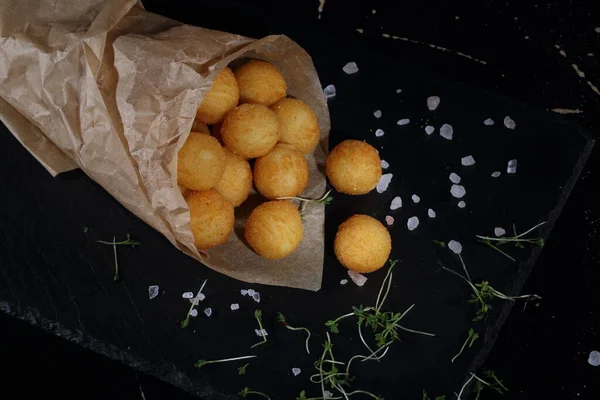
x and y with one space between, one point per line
329 92
256 297
433 102
343 282
499 231
403 121
509 123
187 295
429 129
234 306
208 312
412 223
377 114
152 291
431 213
511 168
358 279
458 191
462 204
384 182
454 178
296 371
244 292
251 292
446 131
496 174
415 198
467 161
396 203
379 132
350 68
488 122
384 164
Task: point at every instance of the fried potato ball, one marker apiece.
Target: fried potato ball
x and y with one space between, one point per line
236 182
362 244
282 172
201 162
274 229
222 97
250 130
200 127
353 167
260 82
211 218
298 124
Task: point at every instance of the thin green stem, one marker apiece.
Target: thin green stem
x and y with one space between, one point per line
291 328
202 363
497 249
258 316
458 396
413 331
364 392
116 276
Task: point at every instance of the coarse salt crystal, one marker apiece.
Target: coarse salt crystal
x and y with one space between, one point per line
594 359
446 131
412 223
455 246
358 279
384 182
208 312
431 213
467 161
350 68
198 298
389 220
384 164
256 297
152 291
235 306
329 91
416 199
454 178
403 121
261 332
511 168
398 90
244 292
327 394
187 295
499 231
429 129
396 203
251 292
433 102
377 114
379 132
509 123
296 371
462 204
488 122
194 313
343 281
496 174
458 191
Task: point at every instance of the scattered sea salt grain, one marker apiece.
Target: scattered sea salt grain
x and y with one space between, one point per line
235 306
433 102
152 291
512 167
467 161
194 313
379 132
462 204
594 359
488 122
496 174
187 295
384 182
329 91
458 191
431 213
455 246
199 297
358 279
350 68
398 90
509 123
403 121
327 394
384 164
396 203
251 292
446 131
343 281
499 231
389 220
412 223
429 129
454 178
256 297
415 198
377 114
208 312
244 292
261 332
296 371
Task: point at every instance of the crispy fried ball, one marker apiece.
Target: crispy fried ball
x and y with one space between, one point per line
274 229
201 162
250 130
362 244
200 127
260 82
211 218
236 182
282 172
353 167
298 124
222 97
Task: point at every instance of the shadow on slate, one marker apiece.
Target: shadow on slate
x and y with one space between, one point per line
55 276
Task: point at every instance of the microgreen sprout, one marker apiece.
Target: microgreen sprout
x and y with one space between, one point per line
242 370
258 316
302 396
426 397
246 391
195 301
325 200
114 244
492 382
281 319
471 338
517 240
201 363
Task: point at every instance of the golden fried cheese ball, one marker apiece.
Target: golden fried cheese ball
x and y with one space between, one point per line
260 82
353 167
298 124
222 97
362 244
201 162
250 130
200 127
282 172
274 229
211 218
236 183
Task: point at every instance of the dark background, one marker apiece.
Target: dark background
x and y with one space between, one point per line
539 353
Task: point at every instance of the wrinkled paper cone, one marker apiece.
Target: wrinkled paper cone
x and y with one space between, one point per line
113 89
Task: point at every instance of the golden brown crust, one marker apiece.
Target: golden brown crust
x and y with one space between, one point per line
274 229
211 218
222 97
237 179
282 172
200 162
298 124
354 167
250 130
260 82
362 244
